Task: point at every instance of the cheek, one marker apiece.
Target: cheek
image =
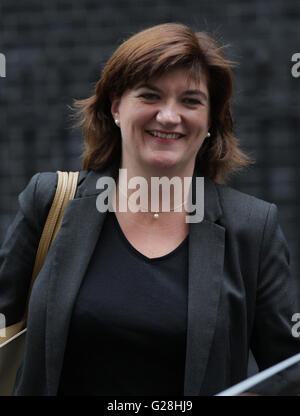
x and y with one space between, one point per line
200 126
199 119
142 116
136 119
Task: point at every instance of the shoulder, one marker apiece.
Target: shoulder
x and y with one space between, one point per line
244 212
36 199
37 195
252 226
236 202
232 196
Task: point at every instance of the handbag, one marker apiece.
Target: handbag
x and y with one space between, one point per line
12 346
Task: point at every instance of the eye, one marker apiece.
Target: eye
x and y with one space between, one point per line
149 96
192 101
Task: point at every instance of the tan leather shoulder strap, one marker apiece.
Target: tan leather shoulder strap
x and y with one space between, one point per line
68 195
65 191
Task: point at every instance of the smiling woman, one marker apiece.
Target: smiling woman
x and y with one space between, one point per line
131 303
147 58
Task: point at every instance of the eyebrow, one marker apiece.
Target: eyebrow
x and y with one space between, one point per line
187 92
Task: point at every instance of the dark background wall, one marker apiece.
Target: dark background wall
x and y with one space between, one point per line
55 51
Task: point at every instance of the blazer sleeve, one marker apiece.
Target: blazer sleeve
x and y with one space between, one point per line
18 251
272 340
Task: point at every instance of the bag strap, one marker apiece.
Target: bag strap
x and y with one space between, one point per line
65 191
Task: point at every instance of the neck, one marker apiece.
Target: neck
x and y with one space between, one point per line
153 195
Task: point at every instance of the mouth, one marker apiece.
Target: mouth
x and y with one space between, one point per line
165 136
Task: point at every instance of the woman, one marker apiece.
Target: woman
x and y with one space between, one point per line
147 303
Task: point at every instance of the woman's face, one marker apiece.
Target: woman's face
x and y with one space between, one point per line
163 122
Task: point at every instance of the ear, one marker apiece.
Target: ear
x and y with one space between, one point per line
115 104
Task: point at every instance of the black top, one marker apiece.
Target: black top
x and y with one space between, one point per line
128 329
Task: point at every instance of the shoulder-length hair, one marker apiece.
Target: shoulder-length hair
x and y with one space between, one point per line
151 53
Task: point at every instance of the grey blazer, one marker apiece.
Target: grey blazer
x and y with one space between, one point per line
239 287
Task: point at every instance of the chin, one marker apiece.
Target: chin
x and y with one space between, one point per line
164 163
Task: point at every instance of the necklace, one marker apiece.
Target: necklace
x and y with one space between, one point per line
156 213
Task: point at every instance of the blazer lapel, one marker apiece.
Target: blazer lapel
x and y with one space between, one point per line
72 250
206 257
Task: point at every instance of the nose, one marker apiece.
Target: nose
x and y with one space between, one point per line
168 115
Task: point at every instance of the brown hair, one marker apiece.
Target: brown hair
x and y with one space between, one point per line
150 53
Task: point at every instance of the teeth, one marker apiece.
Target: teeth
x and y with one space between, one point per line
164 135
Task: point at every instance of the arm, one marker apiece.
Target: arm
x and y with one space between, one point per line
17 254
272 339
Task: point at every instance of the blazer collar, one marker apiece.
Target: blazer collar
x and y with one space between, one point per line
88 178
72 250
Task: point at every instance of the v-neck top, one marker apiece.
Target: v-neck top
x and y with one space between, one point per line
127 333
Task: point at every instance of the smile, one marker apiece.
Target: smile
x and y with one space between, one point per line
169 136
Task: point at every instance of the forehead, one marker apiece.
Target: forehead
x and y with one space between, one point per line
177 79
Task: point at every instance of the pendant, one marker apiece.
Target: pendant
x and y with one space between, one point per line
156 215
